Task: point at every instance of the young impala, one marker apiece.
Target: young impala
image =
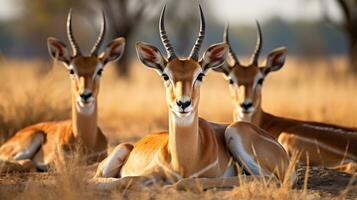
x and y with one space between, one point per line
192 147
39 143
328 145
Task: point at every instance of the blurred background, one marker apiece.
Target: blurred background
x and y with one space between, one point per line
307 27
318 81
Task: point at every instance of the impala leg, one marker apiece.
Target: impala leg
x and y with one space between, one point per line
16 155
258 153
22 146
29 151
111 165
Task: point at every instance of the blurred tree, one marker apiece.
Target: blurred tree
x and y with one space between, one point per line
349 10
42 18
124 17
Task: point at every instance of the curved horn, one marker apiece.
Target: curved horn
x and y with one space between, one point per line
98 43
165 40
75 48
258 48
196 48
230 50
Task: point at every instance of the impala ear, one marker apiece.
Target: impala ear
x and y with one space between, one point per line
150 56
275 60
214 56
225 69
58 50
113 51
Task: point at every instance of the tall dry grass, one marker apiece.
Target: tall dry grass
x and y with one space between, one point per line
32 91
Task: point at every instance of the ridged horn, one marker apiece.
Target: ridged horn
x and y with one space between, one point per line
258 48
196 48
165 40
98 43
230 50
75 48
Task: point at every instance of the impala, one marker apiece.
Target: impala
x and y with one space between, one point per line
192 147
323 144
39 143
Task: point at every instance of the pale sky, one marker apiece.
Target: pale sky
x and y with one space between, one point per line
8 8
246 11
243 11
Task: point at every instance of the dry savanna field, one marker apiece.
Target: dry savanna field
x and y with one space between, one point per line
32 91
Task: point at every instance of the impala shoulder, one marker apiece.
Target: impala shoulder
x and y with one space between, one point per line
51 124
153 139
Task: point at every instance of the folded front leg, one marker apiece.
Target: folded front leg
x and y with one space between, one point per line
110 166
257 151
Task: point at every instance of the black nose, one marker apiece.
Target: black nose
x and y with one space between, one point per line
86 96
246 106
183 105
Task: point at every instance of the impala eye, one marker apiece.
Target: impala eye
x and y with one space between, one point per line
71 71
231 81
260 81
165 77
100 71
200 77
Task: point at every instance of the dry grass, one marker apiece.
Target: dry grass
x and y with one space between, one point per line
34 91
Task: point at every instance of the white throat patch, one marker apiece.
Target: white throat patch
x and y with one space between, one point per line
183 120
245 117
87 109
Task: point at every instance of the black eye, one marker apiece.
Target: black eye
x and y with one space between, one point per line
260 81
200 77
165 77
231 81
71 71
100 71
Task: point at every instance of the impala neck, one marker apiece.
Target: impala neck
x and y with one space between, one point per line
184 140
85 125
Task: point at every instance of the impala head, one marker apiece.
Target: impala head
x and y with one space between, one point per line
85 71
182 77
246 80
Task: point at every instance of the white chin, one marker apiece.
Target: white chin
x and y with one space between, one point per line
183 119
85 108
245 116
182 115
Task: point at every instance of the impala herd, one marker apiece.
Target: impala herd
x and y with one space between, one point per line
256 143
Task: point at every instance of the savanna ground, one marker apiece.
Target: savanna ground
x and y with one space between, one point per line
32 91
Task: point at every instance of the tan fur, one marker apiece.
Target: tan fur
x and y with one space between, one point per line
184 150
188 149
325 144
262 146
42 142
62 135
